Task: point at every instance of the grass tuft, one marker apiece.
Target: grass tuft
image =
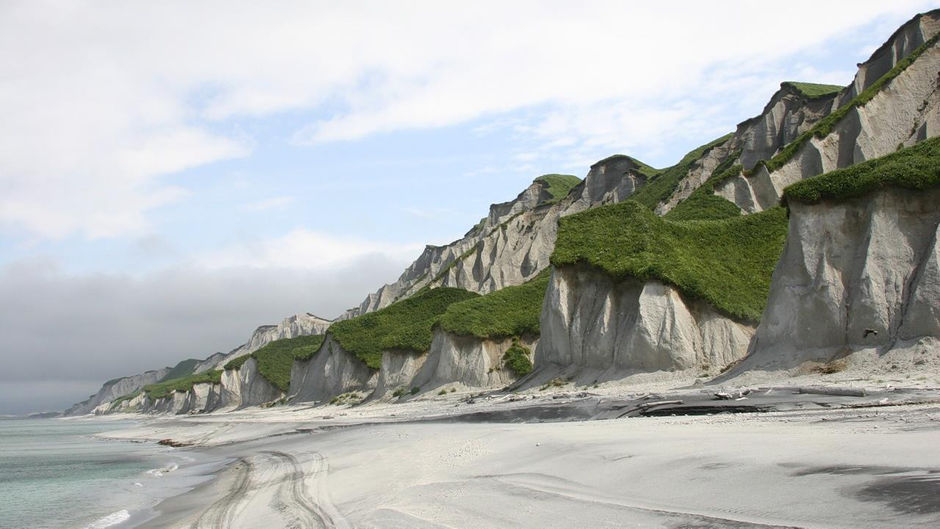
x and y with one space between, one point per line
813 90
559 185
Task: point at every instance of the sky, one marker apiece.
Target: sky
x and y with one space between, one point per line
174 174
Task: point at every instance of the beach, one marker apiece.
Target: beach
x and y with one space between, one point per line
810 457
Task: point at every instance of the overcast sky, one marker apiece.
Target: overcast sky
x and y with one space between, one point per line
173 174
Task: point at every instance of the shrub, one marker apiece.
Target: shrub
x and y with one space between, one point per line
661 186
511 311
183 384
726 262
823 127
916 168
516 358
403 326
276 359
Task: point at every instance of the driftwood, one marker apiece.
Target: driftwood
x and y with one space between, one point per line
647 405
835 392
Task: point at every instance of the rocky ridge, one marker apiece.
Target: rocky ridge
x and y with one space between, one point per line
594 327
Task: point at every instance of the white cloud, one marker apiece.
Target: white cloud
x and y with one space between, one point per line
101 100
270 203
306 250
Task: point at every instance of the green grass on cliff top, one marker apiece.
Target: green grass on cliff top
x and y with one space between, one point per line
511 311
164 389
559 185
276 358
823 127
726 262
916 167
180 370
662 185
404 326
813 90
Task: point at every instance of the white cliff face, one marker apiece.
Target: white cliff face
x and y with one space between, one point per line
513 243
116 389
856 274
902 113
332 371
246 387
303 324
454 361
591 322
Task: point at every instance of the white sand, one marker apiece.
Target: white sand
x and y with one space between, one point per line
373 466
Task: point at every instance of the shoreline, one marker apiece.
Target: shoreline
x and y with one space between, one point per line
812 456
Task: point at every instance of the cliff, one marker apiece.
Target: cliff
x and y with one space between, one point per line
859 271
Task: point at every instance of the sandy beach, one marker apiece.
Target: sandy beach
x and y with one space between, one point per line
812 456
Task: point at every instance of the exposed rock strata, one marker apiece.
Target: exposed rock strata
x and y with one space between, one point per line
453 361
591 322
902 113
513 243
115 389
854 275
332 371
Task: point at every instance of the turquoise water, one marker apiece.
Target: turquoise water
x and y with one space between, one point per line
54 474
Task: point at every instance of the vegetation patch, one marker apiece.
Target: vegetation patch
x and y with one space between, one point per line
403 326
823 127
916 168
559 185
516 359
813 90
726 262
352 398
703 204
237 363
662 185
183 384
276 358
186 367
511 311
116 403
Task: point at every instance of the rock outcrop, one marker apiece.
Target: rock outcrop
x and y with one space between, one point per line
857 274
596 328
513 243
464 362
902 113
246 387
114 389
332 371
302 324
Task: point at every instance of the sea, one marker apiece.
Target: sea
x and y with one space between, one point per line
55 474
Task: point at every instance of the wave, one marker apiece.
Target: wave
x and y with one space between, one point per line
109 520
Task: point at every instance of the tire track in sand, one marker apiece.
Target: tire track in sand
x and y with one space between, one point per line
317 505
222 513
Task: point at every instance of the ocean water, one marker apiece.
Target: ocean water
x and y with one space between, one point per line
54 474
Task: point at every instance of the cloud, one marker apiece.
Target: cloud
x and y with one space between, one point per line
66 334
100 102
306 250
270 203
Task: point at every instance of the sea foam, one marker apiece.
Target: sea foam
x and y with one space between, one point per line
109 520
